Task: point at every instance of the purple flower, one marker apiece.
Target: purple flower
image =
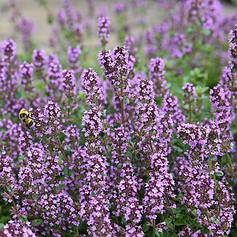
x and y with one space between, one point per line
159 190
26 28
200 192
189 99
17 228
50 118
156 75
39 59
8 48
221 101
93 87
103 29
79 32
178 46
68 85
94 204
26 74
3 76
70 14
119 7
61 17
73 54
233 46
92 125
130 45
117 65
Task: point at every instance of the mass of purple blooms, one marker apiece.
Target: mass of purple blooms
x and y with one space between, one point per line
137 140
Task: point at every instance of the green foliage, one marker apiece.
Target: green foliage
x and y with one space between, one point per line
4 212
36 222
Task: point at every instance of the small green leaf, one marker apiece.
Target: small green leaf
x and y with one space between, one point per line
1 225
93 194
21 157
145 227
219 173
215 220
194 212
206 32
35 196
9 189
81 96
61 186
36 222
157 233
128 153
50 19
126 100
23 218
169 223
67 172
201 90
43 2
180 219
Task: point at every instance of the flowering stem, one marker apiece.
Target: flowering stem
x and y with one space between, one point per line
190 112
230 163
122 108
153 226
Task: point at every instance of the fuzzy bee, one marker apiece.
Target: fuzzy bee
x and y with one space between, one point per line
25 118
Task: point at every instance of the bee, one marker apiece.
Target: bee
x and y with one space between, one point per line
25 118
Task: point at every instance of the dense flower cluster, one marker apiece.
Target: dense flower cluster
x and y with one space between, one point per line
220 98
117 65
26 73
202 194
26 27
39 59
17 228
156 74
73 54
138 144
93 87
103 29
8 49
160 185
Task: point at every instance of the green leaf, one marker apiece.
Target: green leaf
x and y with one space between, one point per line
36 222
128 153
201 90
180 220
206 32
93 194
158 234
219 173
23 218
67 172
190 30
60 159
43 2
20 158
169 223
1 225
9 189
177 148
194 212
50 19
35 196
215 220
145 227
81 96
126 100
